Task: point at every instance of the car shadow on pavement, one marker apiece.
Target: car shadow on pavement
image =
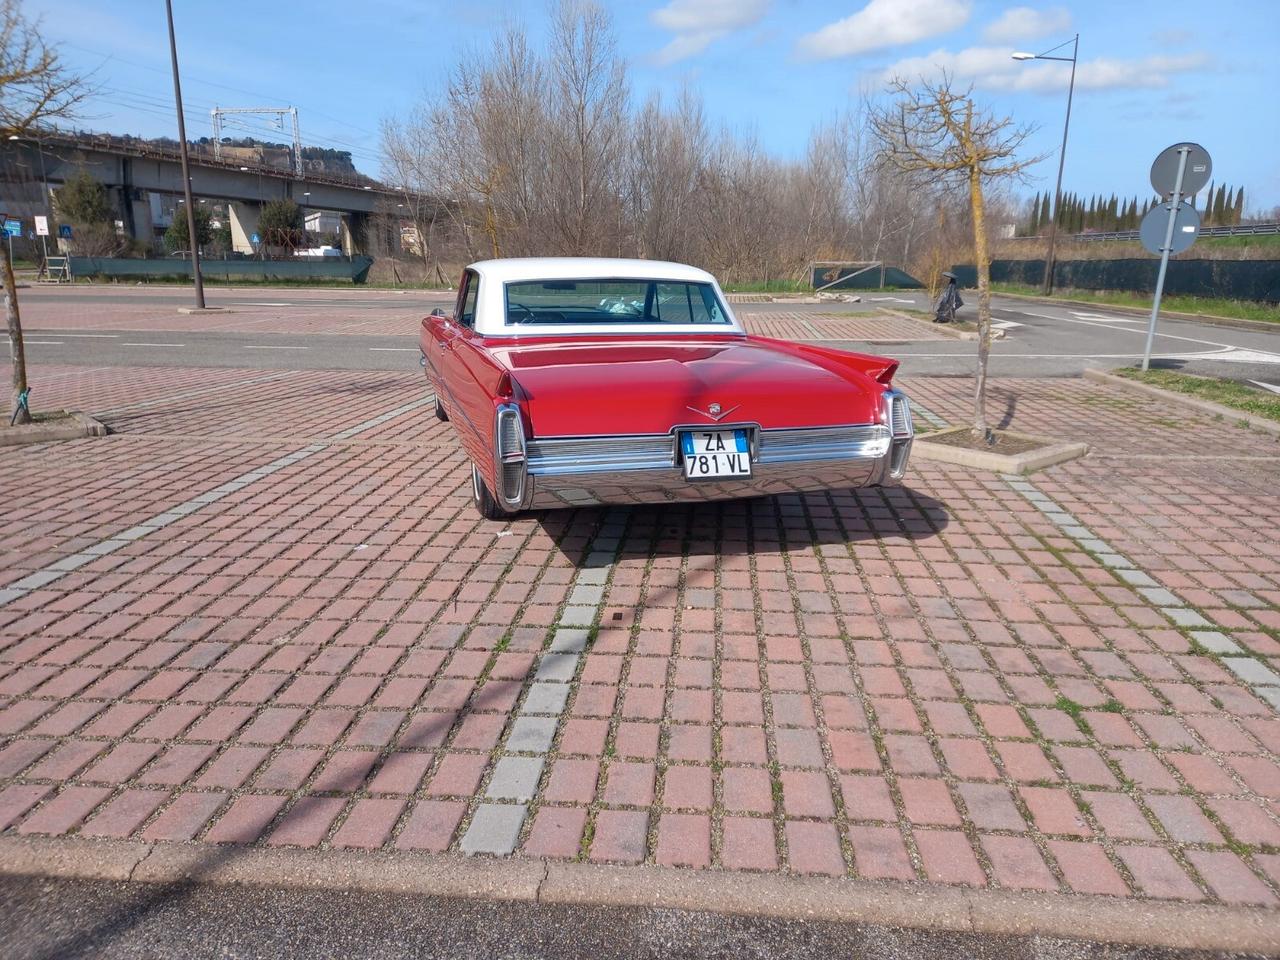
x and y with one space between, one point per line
761 526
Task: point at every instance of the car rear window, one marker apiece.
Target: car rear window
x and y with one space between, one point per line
603 302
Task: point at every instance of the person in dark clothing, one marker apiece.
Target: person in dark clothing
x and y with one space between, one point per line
949 302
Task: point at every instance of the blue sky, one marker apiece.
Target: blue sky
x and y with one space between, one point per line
1150 73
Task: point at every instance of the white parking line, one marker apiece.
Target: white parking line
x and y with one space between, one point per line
128 344
1106 319
1238 355
47 343
1266 386
261 346
60 568
1068 356
395 350
89 336
1140 333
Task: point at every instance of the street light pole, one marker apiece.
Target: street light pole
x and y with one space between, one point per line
1062 154
186 173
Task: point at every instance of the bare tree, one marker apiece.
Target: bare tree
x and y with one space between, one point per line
35 87
937 132
587 111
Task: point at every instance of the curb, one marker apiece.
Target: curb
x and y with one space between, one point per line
1208 318
1204 406
943 328
911 905
1019 463
82 426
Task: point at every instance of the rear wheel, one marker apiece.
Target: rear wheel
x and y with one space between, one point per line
440 414
483 499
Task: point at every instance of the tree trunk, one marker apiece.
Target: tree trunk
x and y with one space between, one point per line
982 262
15 338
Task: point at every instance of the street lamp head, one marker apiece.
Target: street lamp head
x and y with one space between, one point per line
1021 55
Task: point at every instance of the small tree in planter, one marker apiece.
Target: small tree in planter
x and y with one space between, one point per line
35 87
933 131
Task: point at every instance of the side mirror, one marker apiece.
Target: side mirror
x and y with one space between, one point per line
437 312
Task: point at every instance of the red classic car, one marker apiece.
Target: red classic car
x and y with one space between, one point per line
574 382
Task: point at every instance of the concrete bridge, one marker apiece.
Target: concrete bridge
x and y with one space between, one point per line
132 170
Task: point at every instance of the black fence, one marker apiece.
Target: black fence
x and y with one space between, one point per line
827 277
1229 279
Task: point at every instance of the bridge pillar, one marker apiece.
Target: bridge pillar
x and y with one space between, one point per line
137 219
244 224
355 228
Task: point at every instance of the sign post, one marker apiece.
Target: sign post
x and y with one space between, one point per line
42 231
12 228
1180 170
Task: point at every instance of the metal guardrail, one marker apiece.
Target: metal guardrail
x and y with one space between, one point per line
1236 230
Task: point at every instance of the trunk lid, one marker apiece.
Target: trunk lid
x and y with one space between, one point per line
647 386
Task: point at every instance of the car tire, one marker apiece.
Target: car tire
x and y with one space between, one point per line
482 498
440 414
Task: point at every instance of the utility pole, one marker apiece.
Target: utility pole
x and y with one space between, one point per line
186 171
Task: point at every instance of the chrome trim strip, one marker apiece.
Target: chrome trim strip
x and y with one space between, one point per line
565 456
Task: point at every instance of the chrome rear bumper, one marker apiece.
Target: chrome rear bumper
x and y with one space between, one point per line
637 469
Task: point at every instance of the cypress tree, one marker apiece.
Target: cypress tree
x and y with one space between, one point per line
1237 209
1207 217
1220 205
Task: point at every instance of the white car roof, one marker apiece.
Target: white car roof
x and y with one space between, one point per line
491 308
515 269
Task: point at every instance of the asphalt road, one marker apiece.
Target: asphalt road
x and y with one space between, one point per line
70 919
1040 339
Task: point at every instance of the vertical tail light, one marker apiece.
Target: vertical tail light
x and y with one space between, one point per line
897 414
509 434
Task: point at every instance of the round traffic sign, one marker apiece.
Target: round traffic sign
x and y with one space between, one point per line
1186 227
1164 172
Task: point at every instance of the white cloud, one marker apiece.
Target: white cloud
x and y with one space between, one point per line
885 23
992 68
1026 23
699 23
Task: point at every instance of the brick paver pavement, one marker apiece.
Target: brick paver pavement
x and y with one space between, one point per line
848 325
944 682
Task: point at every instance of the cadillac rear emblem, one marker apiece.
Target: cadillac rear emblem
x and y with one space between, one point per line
714 411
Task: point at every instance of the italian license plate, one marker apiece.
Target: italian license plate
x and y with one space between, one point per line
710 454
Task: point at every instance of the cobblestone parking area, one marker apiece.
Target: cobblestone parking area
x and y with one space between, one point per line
867 328
265 612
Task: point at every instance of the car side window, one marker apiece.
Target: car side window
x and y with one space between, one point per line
467 315
681 303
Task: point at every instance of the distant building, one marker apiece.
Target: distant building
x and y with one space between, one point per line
323 221
409 239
